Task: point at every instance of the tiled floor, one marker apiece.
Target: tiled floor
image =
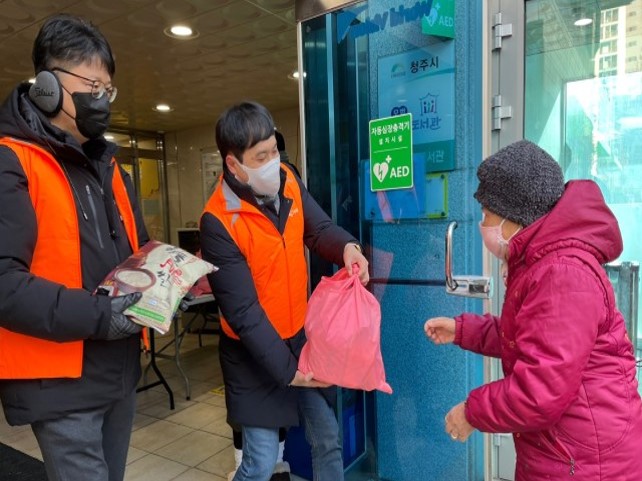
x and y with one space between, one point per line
190 443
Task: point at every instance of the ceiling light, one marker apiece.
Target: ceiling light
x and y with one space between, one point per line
583 22
180 31
163 108
109 137
32 80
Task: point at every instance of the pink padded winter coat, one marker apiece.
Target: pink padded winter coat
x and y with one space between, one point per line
569 395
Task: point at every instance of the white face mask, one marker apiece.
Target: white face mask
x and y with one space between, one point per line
494 241
266 179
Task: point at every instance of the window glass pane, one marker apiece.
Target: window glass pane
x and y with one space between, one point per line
584 104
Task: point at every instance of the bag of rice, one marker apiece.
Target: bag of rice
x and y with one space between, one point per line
163 273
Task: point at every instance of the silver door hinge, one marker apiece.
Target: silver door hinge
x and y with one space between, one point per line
500 112
500 30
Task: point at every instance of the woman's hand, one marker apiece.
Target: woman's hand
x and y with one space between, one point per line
441 330
457 426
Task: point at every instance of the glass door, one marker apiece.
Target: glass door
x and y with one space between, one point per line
151 197
583 104
371 61
572 72
141 155
333 181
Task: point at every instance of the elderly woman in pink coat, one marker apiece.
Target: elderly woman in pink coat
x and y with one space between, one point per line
569 393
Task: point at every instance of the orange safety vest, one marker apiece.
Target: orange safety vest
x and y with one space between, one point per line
56 258
277 262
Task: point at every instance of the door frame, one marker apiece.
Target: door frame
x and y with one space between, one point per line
503 76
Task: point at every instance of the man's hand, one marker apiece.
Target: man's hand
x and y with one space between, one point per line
306 380
352 256
183 305
120 325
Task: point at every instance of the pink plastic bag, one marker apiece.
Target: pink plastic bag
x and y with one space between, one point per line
342 324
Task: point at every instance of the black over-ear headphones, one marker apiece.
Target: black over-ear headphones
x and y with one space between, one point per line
46 93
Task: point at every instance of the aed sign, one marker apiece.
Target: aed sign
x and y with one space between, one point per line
441 19
391 153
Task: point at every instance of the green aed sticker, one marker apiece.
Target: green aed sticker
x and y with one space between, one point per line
391 153
441 20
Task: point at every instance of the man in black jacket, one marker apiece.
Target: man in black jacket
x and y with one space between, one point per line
69 360
254 228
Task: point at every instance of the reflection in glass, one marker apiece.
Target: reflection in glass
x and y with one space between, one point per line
584 102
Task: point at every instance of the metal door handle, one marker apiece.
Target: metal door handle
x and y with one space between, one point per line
468 286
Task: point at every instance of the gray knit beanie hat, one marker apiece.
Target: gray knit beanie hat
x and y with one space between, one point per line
520 182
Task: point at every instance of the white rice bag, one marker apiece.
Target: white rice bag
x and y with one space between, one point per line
163 273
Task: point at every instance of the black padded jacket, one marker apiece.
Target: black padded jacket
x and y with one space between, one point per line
257 369
40 308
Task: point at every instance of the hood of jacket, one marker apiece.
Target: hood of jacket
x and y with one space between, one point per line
22 120
580 219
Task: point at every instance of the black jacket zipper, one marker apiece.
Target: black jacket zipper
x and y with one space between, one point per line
92 206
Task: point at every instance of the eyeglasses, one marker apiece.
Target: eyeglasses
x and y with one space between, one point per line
98 88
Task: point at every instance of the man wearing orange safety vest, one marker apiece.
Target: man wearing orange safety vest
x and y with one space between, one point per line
69 360
255 228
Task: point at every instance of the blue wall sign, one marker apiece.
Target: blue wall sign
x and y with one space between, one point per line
422 82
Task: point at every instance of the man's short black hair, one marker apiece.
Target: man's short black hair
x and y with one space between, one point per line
241 127
68 39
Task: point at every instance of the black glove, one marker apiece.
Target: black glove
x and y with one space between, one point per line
121 326
183 306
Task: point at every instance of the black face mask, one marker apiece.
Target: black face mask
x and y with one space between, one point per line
92 115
